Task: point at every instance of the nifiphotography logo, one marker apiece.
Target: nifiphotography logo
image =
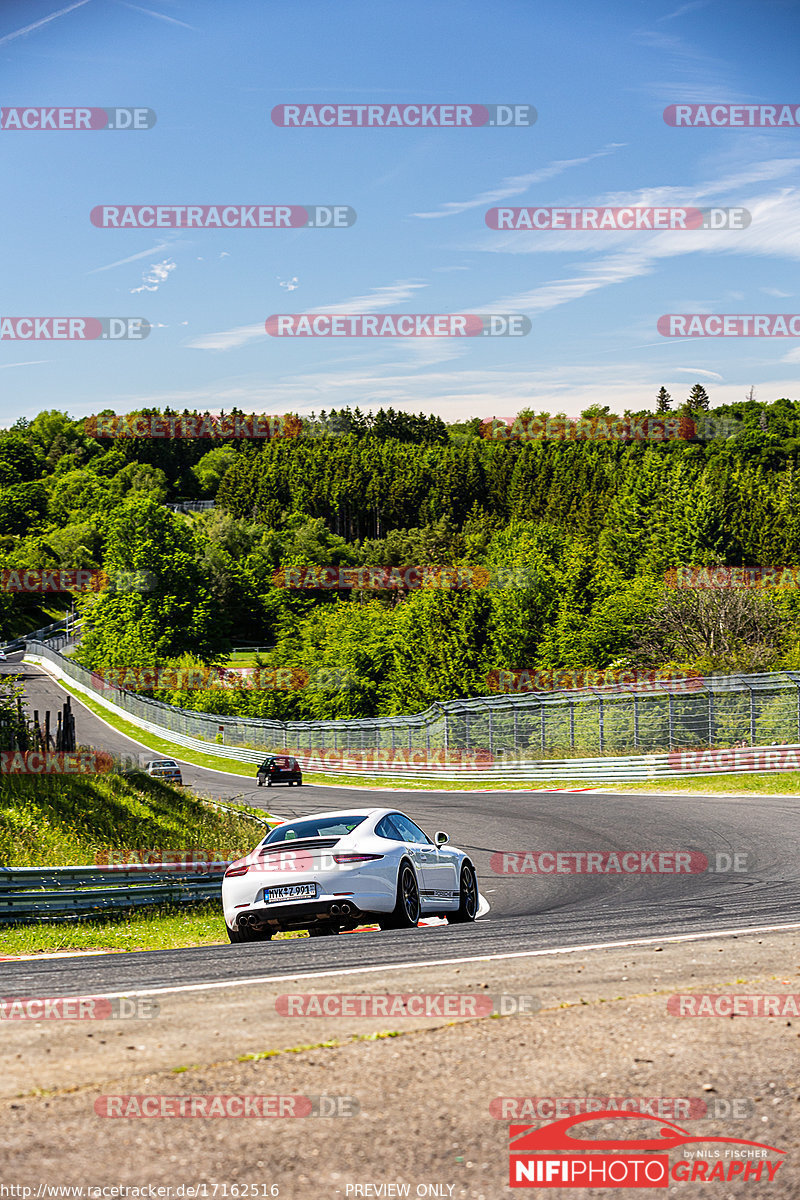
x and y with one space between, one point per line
551 1156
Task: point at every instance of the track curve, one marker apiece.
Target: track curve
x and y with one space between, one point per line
528 912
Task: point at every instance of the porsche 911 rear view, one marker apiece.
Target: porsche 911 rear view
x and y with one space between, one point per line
339 870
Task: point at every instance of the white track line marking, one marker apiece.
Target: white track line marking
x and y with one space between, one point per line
446 962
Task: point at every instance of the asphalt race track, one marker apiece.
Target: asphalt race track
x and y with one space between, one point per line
527 912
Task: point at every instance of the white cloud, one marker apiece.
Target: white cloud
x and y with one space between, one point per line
158 274
228 339
697 371
515 185
684 8
379 298
152 13
131 258
9 37
774 232
458 394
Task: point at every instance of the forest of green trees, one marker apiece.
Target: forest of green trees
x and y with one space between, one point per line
575 538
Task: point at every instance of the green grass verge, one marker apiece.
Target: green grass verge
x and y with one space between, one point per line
756 784
80 820
163 928
76 820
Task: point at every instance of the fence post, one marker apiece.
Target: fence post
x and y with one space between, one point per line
710 717
671 720
491 733
541 726
635 721
516 728
600 725
572 724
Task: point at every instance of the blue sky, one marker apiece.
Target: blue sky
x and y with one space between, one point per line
599 75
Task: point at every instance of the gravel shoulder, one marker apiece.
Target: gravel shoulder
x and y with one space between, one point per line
423 1085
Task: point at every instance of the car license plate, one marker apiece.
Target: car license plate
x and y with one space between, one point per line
294 891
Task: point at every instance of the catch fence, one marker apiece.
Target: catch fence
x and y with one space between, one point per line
715 711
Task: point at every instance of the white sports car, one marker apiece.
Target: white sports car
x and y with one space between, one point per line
338 870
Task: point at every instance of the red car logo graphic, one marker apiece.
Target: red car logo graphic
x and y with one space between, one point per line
530 1139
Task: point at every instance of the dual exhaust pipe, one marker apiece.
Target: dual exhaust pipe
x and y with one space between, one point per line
249 921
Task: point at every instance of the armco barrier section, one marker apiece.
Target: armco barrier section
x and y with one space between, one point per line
31 893
168 722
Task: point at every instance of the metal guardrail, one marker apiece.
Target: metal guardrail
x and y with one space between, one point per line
30 893
58 633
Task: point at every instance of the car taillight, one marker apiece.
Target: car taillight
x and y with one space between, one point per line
237 870
351 858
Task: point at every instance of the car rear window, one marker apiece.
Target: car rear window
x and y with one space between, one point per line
285 764
315 827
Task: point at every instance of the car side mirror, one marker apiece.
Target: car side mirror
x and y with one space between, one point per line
440 838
